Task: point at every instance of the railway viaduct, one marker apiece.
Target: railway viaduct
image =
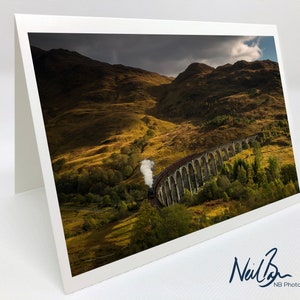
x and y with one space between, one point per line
192 171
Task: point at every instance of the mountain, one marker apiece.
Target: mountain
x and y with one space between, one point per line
92 109
66 77
85 102
193 72
203 92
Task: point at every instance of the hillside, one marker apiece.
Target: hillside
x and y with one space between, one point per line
88 103
203 92
102 120
93 109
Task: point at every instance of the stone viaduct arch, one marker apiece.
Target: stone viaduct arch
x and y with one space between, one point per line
192 171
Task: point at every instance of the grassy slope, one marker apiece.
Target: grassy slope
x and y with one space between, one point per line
96 247
115 105
87 133
106 128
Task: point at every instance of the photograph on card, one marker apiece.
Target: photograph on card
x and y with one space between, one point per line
153 137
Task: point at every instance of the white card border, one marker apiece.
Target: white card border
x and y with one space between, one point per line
64 24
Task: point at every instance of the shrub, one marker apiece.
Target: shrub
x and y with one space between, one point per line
89 223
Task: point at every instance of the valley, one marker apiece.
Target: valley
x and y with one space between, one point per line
102 120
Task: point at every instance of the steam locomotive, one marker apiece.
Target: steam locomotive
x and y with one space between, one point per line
153 200
151 194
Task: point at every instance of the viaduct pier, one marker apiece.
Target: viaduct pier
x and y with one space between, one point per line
192 171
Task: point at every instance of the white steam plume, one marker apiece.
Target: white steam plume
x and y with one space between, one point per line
146 169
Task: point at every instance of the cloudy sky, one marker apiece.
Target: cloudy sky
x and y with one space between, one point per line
164 54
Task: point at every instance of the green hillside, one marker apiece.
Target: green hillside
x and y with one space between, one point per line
102 120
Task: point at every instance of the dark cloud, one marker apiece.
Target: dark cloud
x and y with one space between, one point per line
165 54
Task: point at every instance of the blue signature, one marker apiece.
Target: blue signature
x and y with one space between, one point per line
265 274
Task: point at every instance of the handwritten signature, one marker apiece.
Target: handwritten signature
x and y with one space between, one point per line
265 273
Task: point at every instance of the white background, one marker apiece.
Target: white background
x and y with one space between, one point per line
28 264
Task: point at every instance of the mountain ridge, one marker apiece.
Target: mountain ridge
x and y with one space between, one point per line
95 107
64 72
203 89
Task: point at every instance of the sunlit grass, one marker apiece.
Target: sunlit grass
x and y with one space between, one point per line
121 232
284 154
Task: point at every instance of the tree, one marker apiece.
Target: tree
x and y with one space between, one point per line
67 182
97 175
146 229
84 182
239 166
223 182
250 175
273 169
236 190
288 173
115 198
257 157
227 170
210 191
127 171
242 175
122 210
290 189
188 197
106 201
176 222
261 177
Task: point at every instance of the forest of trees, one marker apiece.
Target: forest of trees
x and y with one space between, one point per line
241 184
245 186
99 199
254 184
154 227
105 186
115 181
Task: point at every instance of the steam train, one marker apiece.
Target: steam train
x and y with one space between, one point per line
151 194
152 198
